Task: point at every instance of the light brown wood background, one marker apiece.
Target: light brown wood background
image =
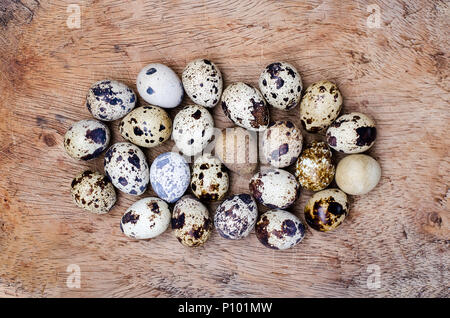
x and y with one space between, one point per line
397 73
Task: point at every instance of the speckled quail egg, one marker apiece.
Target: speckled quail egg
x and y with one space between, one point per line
191 222
245 106
279 229
146 126
237 148
146 219
352 133
282 143
159 85
236 216
202 82
93 192
193 128
170 176
357 174
86 139
314 168
275 188
126 166
209 178
281 85
326 209
109 100
320 105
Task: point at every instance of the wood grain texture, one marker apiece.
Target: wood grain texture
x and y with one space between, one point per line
397 73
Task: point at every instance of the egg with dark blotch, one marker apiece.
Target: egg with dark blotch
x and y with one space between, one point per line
191 222
209 178
86 139
279 229
126 166
236 216
146 126
109 100
326 209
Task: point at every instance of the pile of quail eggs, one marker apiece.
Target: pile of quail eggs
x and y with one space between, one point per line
126 167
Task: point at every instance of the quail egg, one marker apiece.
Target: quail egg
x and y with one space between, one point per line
202 82
159 85
126 166
86 139
279 229
314 168
146 126
93 192
281 85
320 105
109 100
326 209
146 219
236 216
209 178
245 106
191 222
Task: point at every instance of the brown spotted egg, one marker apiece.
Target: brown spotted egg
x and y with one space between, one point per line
245 106
352 133
274 188
191 222
202 82
326 209
282 143
279 229
281 85
320 105
193 128
314 168
209 178
93 192
146 126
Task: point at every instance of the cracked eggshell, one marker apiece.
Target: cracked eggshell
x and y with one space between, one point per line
357 174
282 143
170 176
191 222
281 85
146 126
209 178
146 219
314 168
320 105
159 85
326 209
202 82
236 216
109 100
127 168
352 133
274 188
280 230
193 128
93 192
86 139
245 106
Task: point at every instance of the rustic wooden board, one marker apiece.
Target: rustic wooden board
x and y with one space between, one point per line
398 73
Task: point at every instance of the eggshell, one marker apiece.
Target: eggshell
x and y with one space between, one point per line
86 139
109 100
191 222
159 85
146 219
170 176
209 178
147 126
281 85
126 166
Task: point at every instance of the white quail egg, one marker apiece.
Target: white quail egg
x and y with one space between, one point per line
209 178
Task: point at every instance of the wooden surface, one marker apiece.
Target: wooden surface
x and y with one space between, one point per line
398 73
